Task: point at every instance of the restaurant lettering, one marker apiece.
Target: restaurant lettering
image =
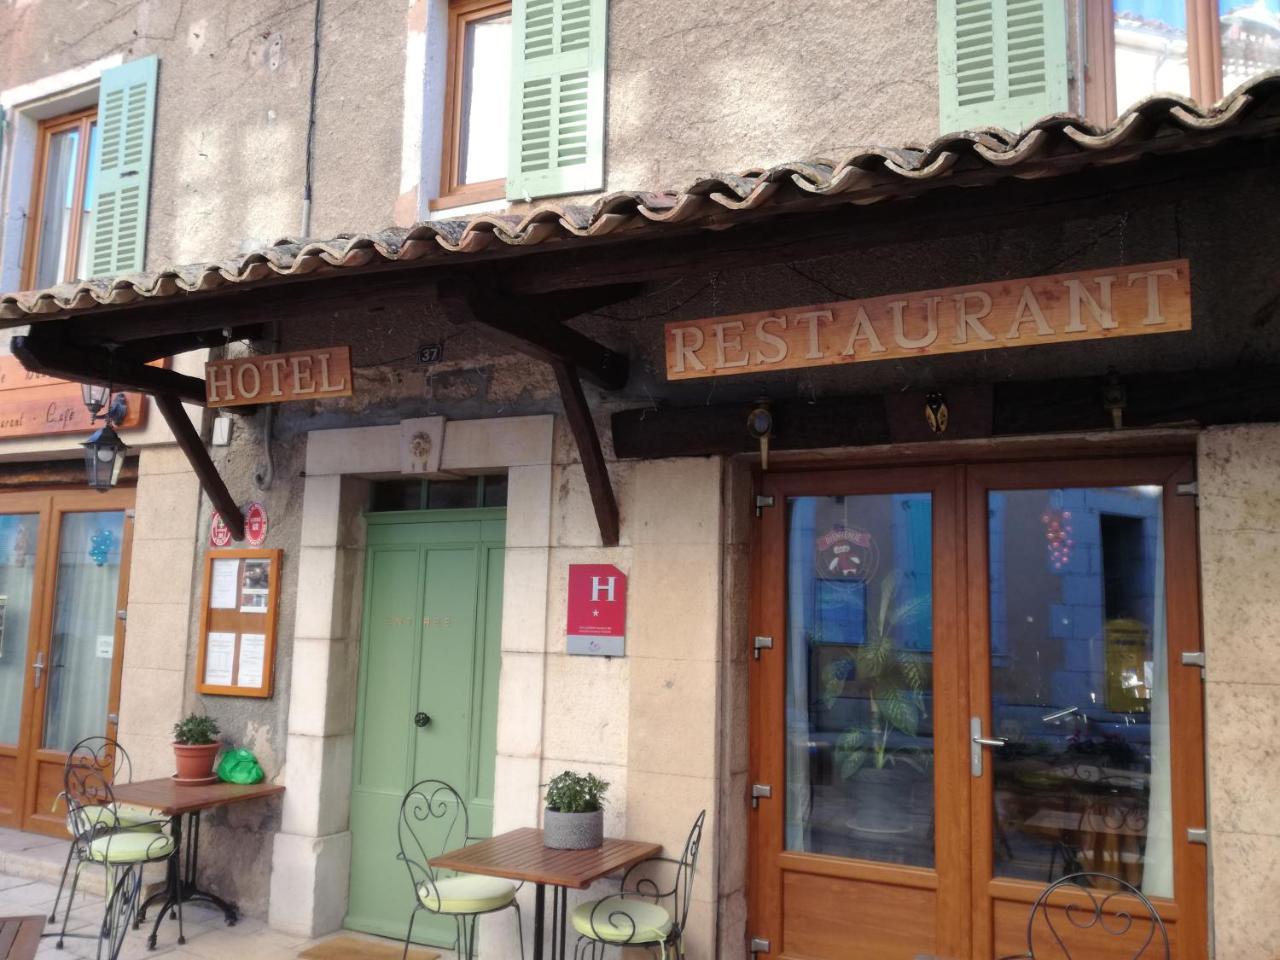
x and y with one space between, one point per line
276 378
34 405
1116 302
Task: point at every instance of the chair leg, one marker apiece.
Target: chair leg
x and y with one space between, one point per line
71 899
519 927
408 937
53 914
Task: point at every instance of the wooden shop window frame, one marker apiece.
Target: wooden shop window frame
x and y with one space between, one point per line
1204 57
82 120
453 193
240 622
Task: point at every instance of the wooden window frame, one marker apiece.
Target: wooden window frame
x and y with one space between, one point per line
82 120
1204 56
462 13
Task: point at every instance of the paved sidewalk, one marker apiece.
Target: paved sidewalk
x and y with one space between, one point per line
208 936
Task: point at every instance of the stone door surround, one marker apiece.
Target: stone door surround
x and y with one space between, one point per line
311 857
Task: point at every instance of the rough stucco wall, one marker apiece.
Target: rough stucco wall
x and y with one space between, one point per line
232 108
696 87
1239 543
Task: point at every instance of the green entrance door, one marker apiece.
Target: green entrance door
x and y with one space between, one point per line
429 649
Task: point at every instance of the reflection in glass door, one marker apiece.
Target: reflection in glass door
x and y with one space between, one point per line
859 677
1079 690
19 534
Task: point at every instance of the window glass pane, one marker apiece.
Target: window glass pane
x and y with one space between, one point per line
17 579
453 494
91 175
1250 39
486 81
56 212
495 490
1151 49
395 495
1078 685
859 677
84 624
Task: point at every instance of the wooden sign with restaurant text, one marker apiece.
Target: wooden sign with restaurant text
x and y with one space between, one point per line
33 405
276 378
1115 302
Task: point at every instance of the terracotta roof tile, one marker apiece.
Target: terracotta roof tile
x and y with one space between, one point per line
1055 144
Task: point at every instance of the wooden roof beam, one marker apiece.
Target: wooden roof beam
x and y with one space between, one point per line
583 428
190 443
69 362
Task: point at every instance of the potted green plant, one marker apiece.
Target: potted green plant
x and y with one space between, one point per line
195 747
888 685
574 818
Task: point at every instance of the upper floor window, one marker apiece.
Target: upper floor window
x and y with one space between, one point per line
477 95
62 198
1198 48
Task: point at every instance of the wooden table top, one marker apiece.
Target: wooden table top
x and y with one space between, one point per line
520 855
174 799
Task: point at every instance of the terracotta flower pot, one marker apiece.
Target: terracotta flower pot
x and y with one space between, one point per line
195 761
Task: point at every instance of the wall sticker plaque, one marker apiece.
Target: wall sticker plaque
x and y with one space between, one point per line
597 610
1090 304
279 377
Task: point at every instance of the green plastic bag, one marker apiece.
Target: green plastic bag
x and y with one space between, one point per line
240 766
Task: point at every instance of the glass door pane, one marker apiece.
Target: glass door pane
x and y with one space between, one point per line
859 690
82 648
17 582
1079 685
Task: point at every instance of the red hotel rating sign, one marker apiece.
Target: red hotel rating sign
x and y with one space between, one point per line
597 610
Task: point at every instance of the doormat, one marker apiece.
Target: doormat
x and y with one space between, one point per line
363 948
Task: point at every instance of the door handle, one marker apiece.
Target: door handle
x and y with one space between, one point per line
38 670
421 719
976 742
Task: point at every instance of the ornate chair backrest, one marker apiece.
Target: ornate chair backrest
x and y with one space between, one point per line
93 765
1102 905
433 820
688 866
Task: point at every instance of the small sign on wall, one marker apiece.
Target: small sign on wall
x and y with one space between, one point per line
597 610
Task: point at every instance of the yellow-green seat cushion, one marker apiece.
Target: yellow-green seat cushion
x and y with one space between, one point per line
651 922
125 815
128 847
467 894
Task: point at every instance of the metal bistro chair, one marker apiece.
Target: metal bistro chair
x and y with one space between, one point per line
1082 906
431 805
106 753
96 822
635 916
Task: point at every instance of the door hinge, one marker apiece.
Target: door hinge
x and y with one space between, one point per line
1194 659
760 643
131 514
1189 489
113 718
763 500
1198 835
759 945
122 614
760 791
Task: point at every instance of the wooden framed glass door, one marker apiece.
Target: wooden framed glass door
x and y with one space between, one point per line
1042 608
64 560
1084 594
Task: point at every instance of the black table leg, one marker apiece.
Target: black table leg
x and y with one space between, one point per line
192 893
562 921
539 908
180 883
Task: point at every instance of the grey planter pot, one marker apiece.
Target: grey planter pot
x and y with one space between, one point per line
573 831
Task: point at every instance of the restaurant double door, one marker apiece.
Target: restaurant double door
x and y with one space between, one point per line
974 687
64 561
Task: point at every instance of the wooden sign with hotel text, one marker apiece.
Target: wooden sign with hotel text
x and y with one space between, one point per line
1115 302
276 378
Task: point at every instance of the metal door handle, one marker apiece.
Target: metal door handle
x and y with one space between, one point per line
421 719
990 741
38 668
977 742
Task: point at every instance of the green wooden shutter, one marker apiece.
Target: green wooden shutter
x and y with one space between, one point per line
126 115
557 97
1001 63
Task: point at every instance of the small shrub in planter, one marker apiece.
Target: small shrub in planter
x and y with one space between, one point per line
195 747
574 818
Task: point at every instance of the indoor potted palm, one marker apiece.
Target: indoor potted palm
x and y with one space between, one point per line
195 747
574 818
877 752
